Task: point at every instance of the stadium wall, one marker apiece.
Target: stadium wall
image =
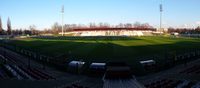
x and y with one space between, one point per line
110 33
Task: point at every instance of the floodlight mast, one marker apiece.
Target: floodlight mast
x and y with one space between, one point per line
62 12
161 12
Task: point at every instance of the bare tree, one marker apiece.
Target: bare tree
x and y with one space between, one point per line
1 28
101 24
9 27
92 25
137 24
33 29
145 25
128 25
55 28
121 25
107 25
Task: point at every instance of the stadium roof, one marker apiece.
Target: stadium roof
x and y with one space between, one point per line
106 29
147 61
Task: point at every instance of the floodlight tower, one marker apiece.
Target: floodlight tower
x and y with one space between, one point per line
62 12
161 12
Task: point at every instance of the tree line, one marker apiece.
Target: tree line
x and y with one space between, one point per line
185 30
2 31
56 28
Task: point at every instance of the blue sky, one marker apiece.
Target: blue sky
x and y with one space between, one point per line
43 13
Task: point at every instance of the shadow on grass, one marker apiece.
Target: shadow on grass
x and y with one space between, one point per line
103 51
106 52
88 38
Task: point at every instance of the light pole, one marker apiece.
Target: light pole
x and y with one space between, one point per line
62 12
161 12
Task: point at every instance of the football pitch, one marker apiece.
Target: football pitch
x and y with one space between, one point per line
108 49
130 50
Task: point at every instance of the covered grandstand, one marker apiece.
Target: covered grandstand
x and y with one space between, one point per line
111 32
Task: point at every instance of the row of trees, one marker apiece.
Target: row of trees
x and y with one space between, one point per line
185 30
31 31
56 28
2 31
25 32
121 25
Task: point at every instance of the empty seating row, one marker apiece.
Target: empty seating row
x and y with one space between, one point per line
33 75
3 74
21 72
188 55
12 72
41 74
197 85
13 60
195 69
122 83
166 83
18 72
74 85
36 74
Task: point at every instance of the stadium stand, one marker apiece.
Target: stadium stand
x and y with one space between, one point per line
122 83
195 69
111 32
3 74
23 73
13 72
171 83
10 69
118 75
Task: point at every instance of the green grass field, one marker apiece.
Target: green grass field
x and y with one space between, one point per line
130 50
109 49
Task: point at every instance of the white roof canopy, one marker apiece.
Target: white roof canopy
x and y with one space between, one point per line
147 61
75 63
98 65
